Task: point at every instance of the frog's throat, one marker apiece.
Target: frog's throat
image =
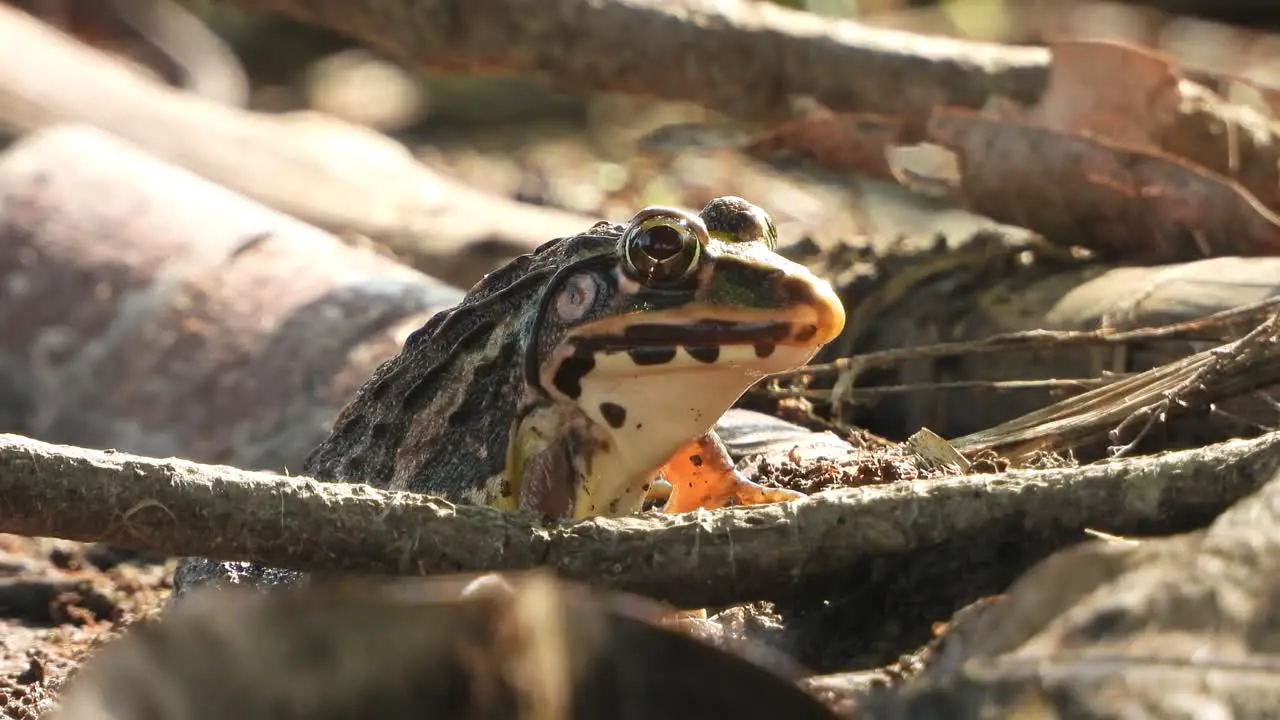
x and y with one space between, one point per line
649 415
562 464
650 387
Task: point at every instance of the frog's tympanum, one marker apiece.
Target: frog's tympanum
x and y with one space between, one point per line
567 381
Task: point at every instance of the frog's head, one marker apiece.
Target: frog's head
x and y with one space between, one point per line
655 334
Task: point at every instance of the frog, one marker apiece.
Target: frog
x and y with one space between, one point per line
585 378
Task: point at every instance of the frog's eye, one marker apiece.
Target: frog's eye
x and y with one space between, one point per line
662 247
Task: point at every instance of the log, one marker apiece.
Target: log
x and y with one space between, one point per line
146 308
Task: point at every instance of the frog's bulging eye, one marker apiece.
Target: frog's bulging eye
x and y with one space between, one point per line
734 220
662 246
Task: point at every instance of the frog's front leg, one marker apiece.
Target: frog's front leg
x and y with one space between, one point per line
702 475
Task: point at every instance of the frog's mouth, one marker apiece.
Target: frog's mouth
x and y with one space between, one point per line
696 352
773 339
697 332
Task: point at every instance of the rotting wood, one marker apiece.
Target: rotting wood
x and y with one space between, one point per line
705 558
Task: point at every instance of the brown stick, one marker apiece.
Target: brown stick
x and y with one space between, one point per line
694 559
745 58
1140 400
1218 326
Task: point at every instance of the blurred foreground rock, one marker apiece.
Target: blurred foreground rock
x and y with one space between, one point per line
409 650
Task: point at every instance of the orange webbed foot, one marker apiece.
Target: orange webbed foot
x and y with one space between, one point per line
702 476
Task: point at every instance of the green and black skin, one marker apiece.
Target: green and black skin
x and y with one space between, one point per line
486 346
457 350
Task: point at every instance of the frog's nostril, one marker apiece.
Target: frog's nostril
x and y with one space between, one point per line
807 291
805 333
796 290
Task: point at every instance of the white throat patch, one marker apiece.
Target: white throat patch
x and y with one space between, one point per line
650 411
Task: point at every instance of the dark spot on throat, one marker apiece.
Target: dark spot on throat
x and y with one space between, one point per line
652 355
695 460
806 333
764 349
704 354
568 378
613 413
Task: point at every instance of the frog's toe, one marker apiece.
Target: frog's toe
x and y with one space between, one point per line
745 492
702 476
727 490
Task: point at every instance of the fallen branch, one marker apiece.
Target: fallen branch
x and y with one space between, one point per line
183 508
687 50
170 316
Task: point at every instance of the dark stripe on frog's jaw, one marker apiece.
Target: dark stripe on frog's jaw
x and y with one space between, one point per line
614 414
652 355
704 353
741 297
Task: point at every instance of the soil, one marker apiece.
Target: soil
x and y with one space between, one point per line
59 602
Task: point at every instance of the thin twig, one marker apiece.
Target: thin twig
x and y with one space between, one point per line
1217 363
1196 380
1187 330
856 394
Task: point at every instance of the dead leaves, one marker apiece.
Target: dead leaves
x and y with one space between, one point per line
1120 154
1121 201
